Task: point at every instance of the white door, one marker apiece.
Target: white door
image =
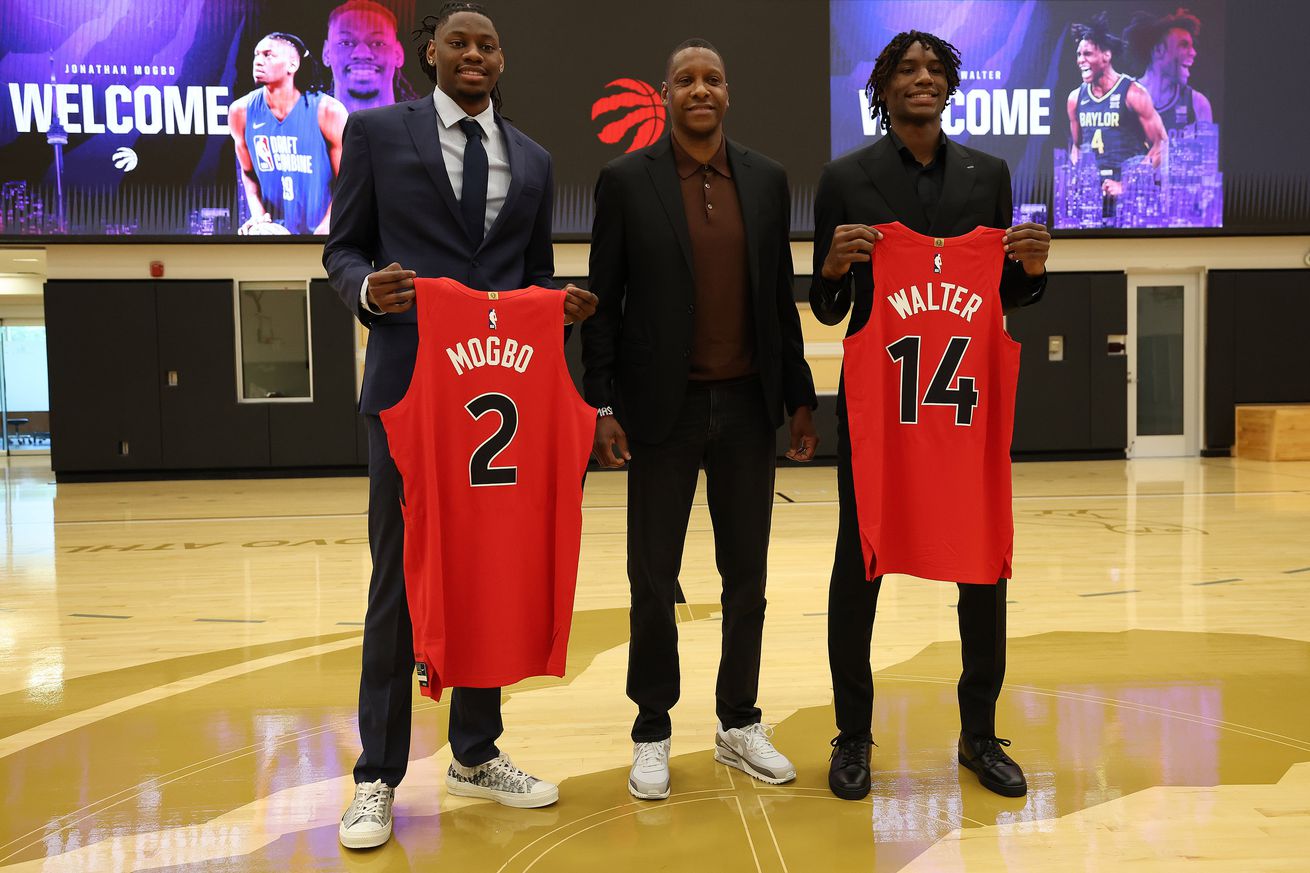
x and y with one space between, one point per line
1164 365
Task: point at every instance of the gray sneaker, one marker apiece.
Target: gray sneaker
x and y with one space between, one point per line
750 750
367 823
501 781
649 777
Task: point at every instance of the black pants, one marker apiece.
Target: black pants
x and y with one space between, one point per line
853 602
725 427
386 677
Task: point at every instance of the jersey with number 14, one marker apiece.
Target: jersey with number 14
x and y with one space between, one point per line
491 441
930 384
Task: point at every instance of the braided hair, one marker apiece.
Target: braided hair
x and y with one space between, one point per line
428 31
891 57
1097 33
309 75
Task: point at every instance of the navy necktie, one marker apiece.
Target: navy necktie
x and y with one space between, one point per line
473 199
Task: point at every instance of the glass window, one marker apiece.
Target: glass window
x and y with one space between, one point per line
273 360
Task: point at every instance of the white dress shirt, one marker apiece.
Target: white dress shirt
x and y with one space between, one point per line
452 137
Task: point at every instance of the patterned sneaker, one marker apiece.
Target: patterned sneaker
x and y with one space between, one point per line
649 777
750 750
501 781
367 823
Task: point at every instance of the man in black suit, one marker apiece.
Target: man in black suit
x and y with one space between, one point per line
446 187
916 176
696 348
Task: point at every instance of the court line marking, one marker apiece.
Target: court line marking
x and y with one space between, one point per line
609 507
49 730
1218 581
1300 570
777 848
233 620
1111 593
750 841
94 615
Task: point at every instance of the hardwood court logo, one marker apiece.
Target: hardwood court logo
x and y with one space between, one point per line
636 105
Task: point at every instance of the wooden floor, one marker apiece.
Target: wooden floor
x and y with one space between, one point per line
179 665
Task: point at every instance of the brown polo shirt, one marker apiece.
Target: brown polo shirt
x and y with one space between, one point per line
723 337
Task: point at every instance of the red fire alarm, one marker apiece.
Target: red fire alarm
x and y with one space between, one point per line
156 269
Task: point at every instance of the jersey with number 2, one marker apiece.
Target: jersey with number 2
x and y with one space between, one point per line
491 441
930 384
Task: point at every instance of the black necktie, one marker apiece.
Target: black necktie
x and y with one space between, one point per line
473 201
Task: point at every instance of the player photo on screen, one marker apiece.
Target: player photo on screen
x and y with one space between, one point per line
195 117
1107 112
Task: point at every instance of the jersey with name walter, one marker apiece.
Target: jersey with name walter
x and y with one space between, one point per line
930 383
491 441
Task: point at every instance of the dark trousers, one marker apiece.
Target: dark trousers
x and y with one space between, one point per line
386 677
853 602
725 428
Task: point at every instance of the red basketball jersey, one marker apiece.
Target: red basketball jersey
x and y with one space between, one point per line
491 441
930 384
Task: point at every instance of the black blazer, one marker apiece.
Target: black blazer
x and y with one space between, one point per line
870 186
393 202
636 348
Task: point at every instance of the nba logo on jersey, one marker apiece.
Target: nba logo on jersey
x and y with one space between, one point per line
1114 100
491 320
937 262
263 152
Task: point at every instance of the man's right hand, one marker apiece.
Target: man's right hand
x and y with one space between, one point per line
609 432
851 244
391 289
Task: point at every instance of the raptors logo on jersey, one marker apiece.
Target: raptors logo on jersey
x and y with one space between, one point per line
930 383
491 441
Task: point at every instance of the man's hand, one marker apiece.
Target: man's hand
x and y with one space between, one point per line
579 305
1112 187
804 438
851 244
261 218
1029 244
609 432
391 289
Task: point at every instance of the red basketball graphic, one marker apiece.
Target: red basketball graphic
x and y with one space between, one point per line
641 108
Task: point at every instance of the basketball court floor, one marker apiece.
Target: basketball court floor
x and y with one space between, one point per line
179 666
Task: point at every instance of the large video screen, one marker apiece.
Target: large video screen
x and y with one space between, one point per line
145 117
1110 114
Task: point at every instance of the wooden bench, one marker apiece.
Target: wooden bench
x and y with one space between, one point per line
1273 432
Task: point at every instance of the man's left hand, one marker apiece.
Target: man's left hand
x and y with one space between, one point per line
1029 244
579 305
804 438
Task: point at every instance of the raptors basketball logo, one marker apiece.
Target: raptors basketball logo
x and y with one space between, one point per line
641 108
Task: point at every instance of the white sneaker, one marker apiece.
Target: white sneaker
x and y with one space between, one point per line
750 750
367 823
649 777
501 781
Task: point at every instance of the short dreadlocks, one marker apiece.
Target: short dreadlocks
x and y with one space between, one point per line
892 56
1097 33
428 31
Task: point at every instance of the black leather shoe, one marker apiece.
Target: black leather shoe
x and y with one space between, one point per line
848 772
996 770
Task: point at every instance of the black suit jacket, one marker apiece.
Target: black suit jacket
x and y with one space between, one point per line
393 202
636 348
870 186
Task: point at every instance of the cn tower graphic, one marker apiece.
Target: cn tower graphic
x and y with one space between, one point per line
57 137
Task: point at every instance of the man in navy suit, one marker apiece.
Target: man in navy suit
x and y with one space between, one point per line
444 186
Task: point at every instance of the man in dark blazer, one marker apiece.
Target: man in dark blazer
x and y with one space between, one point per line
916 176
696 349
419 188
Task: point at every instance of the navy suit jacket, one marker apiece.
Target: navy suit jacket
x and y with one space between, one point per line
393 202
